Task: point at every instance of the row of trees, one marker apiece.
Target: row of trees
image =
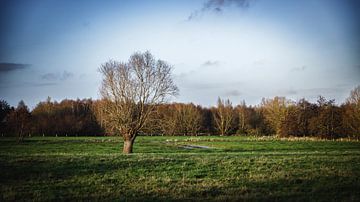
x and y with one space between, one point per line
277 116
65 118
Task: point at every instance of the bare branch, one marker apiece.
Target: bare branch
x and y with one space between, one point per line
131 90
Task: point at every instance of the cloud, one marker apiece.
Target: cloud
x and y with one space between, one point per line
287 92
210 63
233 93
8 67
192 84
81 76
42 84
217 6
26 84
207 63
259 62
291 92
321 91
299 69
49 76
184 75
57 76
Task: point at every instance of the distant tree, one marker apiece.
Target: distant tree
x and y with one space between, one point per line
97 109
5 109
259 125
290 124
223 116
163 121
166 119
131 92
328 121
207 121
179 119
44 117
66 118
351 116
195 119
298 118
306 112
244 117
275 112
188 118
20 121
354 97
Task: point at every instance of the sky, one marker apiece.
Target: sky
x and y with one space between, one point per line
236 49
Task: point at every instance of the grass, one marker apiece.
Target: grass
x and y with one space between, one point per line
235 168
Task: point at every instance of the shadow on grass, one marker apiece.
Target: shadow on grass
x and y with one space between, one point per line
323 188
154 178
289 151
29 168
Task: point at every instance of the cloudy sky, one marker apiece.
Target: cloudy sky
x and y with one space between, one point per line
237 49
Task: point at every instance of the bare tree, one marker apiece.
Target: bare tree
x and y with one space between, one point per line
223 116
20 121
354 97
188 118
132 90
166 119
193 122
243 116
275 111
352 112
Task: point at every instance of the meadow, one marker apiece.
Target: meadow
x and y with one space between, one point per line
179 168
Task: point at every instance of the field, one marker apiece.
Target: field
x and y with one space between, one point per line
172 169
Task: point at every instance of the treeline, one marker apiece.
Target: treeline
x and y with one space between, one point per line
277 116
50 118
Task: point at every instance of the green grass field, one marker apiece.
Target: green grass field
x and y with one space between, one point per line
161 169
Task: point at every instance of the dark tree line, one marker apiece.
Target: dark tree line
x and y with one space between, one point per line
50 118
277 116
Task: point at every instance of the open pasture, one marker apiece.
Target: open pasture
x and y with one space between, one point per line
179 168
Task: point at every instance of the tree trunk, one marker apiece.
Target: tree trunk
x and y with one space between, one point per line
128 146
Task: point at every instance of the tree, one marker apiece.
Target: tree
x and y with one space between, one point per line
243 113
223 116
97 109
290 125
188 118
5 109
275 112
19 121
164 120
306 111
351 118
207 121
68 117
328 121
132 90
297 119
354 97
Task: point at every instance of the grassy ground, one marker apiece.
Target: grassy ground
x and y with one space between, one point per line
235 168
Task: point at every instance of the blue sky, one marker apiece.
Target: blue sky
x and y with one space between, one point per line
237 49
